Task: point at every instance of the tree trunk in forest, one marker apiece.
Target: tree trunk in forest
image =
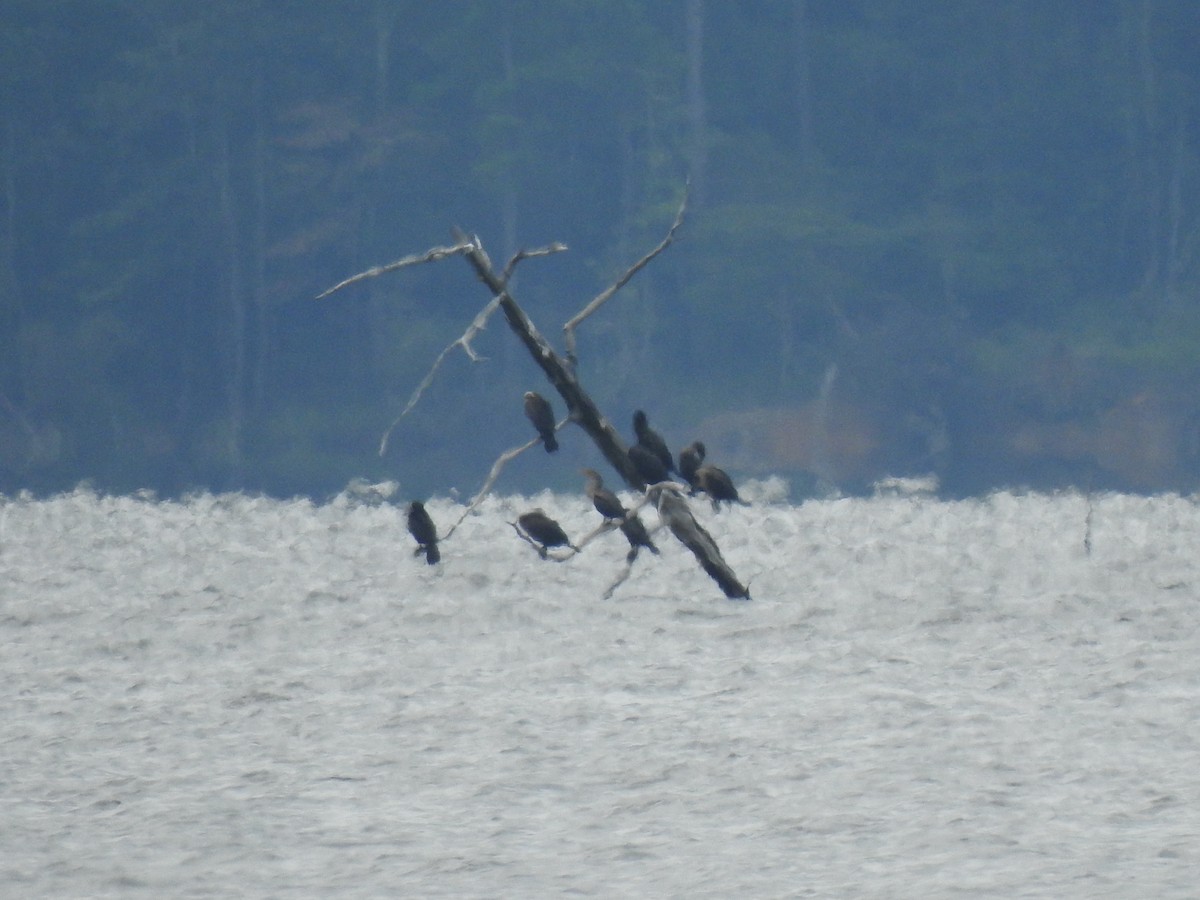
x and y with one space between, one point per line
697 112
262 342
11 313
802 84
1150 180
1176 256
236 376
383 51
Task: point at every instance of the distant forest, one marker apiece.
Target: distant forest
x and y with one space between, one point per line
959 238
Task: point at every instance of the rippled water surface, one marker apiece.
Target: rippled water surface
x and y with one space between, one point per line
237 696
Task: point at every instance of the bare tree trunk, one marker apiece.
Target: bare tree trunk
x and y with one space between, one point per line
383 51
1177 248
1150 176
11 306
236 376
580 406
802 84
697 112
262 341
587 415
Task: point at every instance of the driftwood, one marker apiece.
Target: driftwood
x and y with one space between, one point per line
677 515
581 409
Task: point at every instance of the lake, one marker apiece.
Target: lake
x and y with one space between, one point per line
237 696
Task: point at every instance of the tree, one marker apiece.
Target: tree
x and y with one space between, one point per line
560 371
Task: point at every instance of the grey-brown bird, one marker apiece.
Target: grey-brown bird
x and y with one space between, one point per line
544 530
609 505
421 527
690 459
541 414
606 502
635 532
652 440
647 464
718 485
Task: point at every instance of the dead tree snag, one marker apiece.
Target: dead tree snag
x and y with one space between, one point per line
581 409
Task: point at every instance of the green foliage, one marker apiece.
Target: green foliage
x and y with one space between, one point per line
883 183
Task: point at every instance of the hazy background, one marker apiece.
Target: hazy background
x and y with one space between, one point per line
924 237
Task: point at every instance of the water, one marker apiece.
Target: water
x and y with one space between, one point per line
237 696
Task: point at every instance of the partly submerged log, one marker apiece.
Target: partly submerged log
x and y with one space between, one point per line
675 512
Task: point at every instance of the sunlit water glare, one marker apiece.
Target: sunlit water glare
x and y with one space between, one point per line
238 696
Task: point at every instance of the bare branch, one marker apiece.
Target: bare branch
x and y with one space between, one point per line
626 570
604 296
632 555
603 528
478 324
556 247
497 467
621 578
431 255
581 408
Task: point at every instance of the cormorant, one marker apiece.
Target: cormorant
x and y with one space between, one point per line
544 530
609 506
539 412
652 440
636 533
647 464
690 458
605 501
718 485
421 527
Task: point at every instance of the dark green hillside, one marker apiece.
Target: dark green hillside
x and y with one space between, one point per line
976 224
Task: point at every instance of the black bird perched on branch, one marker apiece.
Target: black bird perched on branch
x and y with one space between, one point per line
544 530
539 412
652 441
635 532
605 501
421 527
690 458
718 485
647 464
609 505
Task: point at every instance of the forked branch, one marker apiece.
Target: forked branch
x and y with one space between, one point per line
603 297
497 467
464 340
556 247
431 255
